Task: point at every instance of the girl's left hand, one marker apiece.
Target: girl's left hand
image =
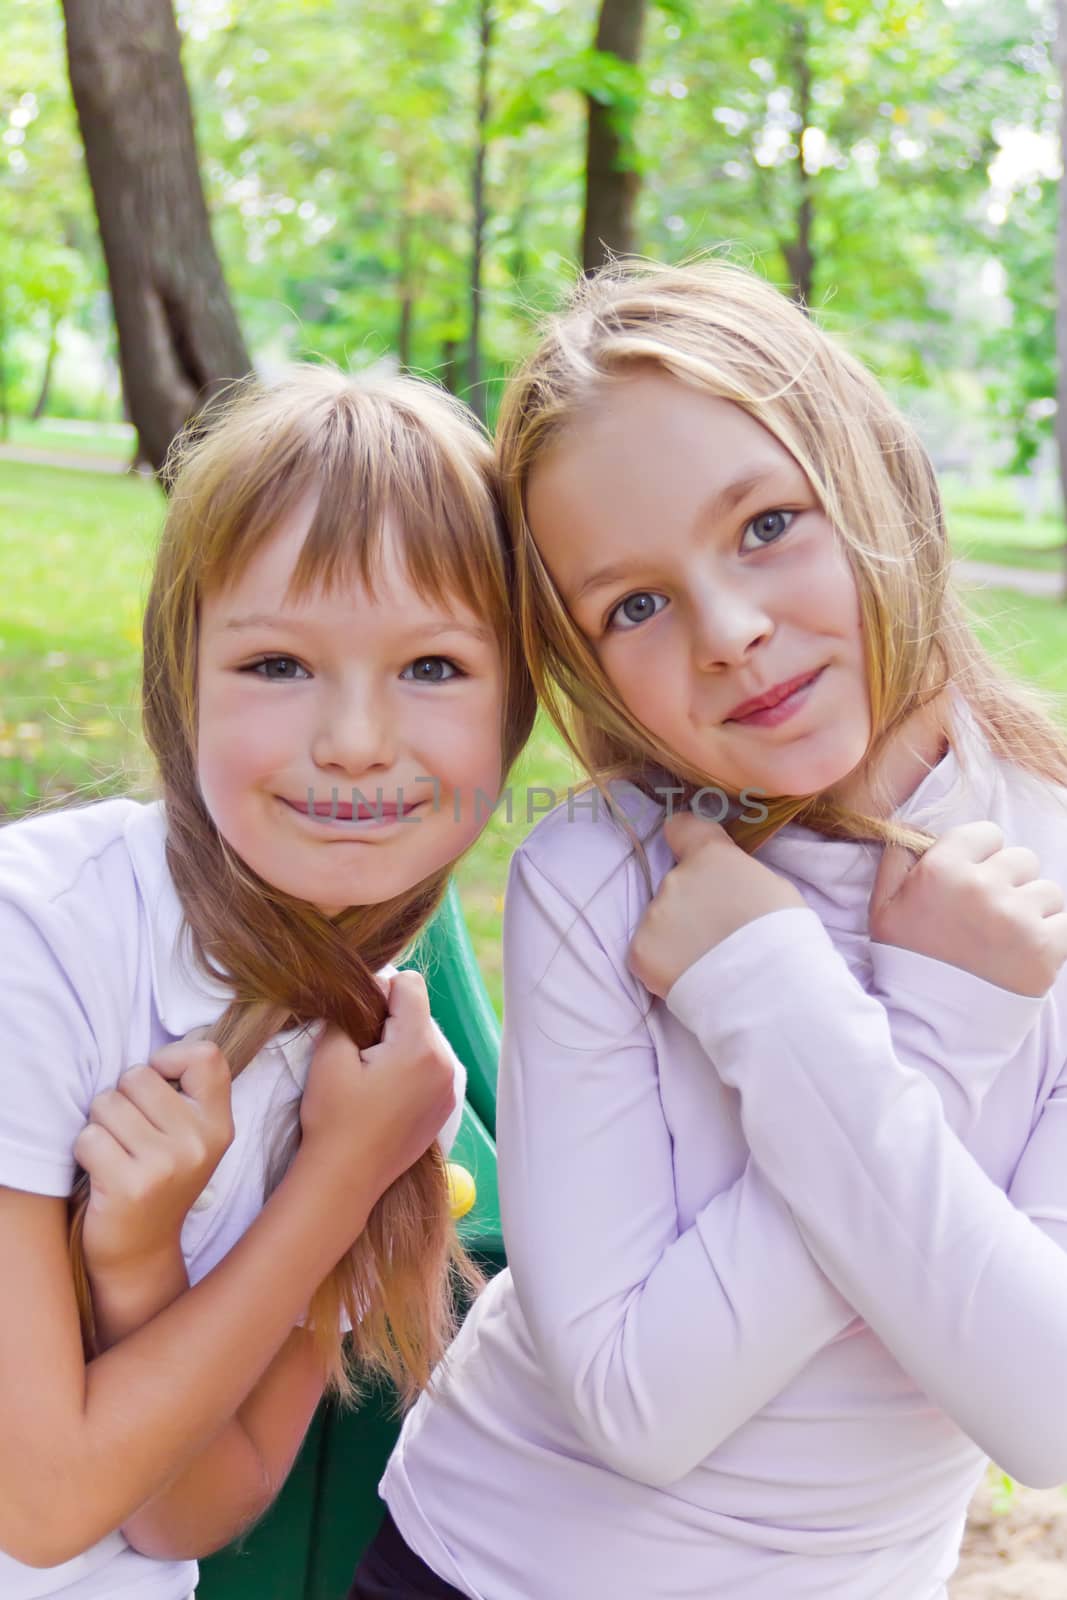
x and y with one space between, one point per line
714 890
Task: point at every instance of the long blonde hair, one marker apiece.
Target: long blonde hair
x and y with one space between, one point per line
725 331
367 448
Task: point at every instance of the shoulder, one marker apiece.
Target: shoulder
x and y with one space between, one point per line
589 849
50 853
1032 811
70 877
577 889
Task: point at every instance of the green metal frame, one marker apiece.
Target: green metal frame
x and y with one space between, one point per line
309 1542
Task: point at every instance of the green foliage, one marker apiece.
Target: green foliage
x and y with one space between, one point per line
49 259
1022 354
337 143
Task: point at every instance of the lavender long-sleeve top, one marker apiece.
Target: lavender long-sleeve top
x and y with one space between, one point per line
788 1253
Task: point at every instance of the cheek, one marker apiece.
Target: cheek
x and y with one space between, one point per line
642 673
236 746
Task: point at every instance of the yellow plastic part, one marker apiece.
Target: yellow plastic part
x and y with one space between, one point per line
461 1188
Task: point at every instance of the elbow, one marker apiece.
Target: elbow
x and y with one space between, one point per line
1036 1467
161 1544
643 1453
645 1463
44 1539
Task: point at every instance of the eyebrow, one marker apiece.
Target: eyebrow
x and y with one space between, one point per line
724 501
262 619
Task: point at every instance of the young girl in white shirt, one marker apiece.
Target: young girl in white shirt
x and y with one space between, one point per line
783 1109
331 675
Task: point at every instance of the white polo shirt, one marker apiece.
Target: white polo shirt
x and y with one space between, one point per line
99 973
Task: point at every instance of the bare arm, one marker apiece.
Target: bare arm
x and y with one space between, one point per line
85 1445
233 1480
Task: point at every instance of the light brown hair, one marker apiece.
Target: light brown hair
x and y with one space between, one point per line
728 333
367 448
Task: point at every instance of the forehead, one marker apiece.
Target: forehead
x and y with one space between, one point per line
268 582
647 450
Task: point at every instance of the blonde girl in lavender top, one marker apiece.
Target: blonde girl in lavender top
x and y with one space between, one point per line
783 1101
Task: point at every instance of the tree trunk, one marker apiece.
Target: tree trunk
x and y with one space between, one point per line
179 341
476 393
406 320
1061 268
49 367
611 188
799 256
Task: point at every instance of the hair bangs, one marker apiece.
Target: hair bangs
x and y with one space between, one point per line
387 490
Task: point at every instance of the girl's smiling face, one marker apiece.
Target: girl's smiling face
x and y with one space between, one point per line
302 701
691 552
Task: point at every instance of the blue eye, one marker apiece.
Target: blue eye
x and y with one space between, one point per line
280 669
769 526
635 609
431 669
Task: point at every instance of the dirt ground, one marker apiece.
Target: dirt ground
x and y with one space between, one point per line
1015 1553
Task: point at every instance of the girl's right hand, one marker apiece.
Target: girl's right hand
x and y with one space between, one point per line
975 903
394 1097
149 1151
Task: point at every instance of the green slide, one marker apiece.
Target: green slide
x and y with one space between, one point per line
308 1544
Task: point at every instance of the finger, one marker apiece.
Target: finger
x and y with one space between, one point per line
686 833
99 1153
155 1098
1042 896
1055 929
197 1066
408 1019
128 1126
970 841
409 999
1013 865
894 867
100 1156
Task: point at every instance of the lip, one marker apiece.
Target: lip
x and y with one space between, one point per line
342 815
773 697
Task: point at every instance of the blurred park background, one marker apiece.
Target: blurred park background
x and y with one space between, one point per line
413 181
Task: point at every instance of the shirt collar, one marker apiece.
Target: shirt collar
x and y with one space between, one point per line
185 996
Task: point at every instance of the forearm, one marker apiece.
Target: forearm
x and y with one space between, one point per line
234 1478
915 1235
133 1421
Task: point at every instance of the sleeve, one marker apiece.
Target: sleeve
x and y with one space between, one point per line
617 1299
958 1029
447 1137
50 1059
965 1285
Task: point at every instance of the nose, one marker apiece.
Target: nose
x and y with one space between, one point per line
729 623
355 732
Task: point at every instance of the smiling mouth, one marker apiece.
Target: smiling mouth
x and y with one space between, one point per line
777 697
343 811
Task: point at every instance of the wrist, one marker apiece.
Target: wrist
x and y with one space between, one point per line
129 1293
331 1201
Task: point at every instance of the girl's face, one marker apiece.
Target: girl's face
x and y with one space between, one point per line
349 741
691 552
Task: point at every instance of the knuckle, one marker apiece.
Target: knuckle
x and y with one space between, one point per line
85 1145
